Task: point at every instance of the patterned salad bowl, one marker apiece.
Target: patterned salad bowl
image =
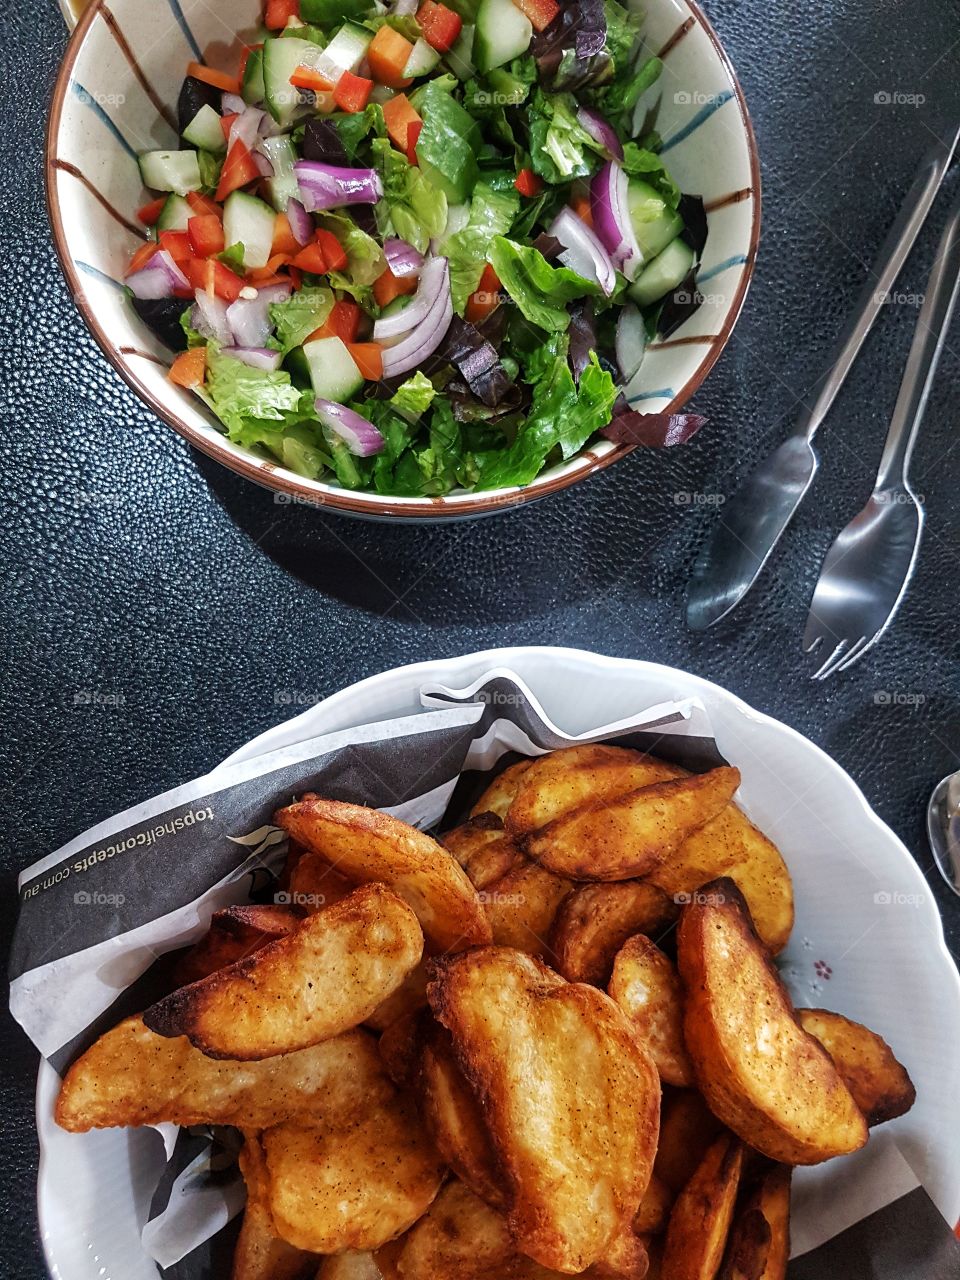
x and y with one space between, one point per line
122 72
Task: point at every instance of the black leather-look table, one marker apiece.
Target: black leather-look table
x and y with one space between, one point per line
157 611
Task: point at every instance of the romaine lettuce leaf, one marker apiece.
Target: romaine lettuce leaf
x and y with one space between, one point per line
297 316
492 213
412 208
449 141
246 400
414 397
641 163
539 290
560 147
356 127
623 27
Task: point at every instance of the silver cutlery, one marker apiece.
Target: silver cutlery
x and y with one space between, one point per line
754 519
866 571
943 829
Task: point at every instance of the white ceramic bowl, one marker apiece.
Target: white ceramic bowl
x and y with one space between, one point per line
126 61
867 942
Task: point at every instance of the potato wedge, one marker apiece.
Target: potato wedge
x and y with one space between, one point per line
881 1087
482 849
594 922
521 907
400 1047
364 844
625 1257
259 1253
626 837
234 933
654 1212
765 1077
325 978
569 1096
131 1076
350 1266
354 1182
313 884
700 1220
647 988
759 1243
687 1128
410 996
559 783
455 1121
500 793
731 845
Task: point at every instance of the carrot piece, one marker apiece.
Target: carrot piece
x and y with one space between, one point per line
387 56
190 368
331 249
307 78
368 357
580 204
387 286
284 241
142 257
311 259
485 297
218 79
279 12
149 214
263 279
239 168
398 116
351 92
202 204
414 129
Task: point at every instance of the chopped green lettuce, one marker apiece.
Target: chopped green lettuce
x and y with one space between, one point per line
412 208
539 290
324 13
492 212
449 141
414 397
642 163
623 28
560 147
356 127
297 316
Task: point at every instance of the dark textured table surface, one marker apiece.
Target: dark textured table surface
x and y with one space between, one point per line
157 612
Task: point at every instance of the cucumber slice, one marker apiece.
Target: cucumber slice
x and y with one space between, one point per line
661 276
333 372
281 57
503 33
348 48
177 171
250 222
174 215
460 57
205 132
252 89
423 58
655 224
283 186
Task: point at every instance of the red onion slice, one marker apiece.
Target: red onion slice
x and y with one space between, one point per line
434 280
256 357
611 218
246 128
421 342
249 318
326 186
231 104
160 278
301 223
359 435
601 131
402 258
264 164
630 343
209 318
404 8
583 251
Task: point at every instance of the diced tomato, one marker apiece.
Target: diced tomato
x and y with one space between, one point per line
440 25
485 298
398 116
238 169
190 368
142 256
279 12
331 249
580 204
414 129
206 235
540 12
351 92
177 244
343 322
387 56
214 277
307 78
218 79
149 214
387 286
226 124
284 241
527 183
368 357
200 203
311 258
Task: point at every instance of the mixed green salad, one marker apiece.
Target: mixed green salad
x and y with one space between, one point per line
413 248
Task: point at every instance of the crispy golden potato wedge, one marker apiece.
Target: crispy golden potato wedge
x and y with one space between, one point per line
765 1077
400 1046
234 933
625 1258
324 978
364 844
260 1254
700 1220
880 1085
499 795
350 1266
731 845
569 1095
353 1183
687 1128
559 783
647 988
482 849
131 1076
410 996
455 1121
521 907
759 1243
625 837
654 1212
594 922
313 883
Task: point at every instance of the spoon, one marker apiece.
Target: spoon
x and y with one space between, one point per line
943 829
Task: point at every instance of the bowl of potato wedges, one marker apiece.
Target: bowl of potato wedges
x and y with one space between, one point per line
611 1018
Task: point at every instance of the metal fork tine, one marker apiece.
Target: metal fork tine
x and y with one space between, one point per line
825 667
857 652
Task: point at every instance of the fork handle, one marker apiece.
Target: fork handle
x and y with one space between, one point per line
929 337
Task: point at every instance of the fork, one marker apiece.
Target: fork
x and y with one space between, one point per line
867 569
